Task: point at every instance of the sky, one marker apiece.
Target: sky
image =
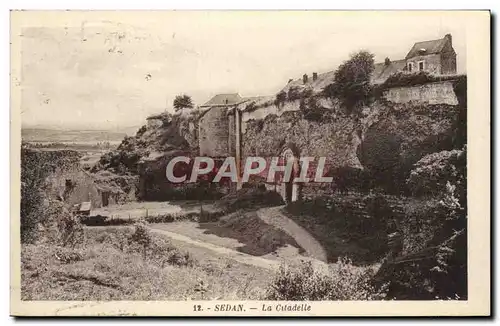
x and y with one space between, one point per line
105 70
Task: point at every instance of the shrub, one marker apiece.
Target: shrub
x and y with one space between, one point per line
156 249
38 210
141 131
312 111
141 235
140 240
34 171
432 173
68 256
347 178
100 220
293 93
433 263
251 107
183 101
252 197
280 98
71 231
342 281
307 92
403 79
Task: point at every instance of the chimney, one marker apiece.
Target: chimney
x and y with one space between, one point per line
304 78
448 36
315 76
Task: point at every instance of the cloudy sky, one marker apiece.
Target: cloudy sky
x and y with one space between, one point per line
109 69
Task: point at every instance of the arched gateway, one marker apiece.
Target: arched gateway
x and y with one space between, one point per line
289 190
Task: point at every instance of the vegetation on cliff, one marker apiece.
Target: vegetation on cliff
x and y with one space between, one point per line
142 159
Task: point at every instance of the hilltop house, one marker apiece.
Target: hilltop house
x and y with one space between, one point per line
436 57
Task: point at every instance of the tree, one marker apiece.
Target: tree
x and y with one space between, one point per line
293 93
183 101
352 81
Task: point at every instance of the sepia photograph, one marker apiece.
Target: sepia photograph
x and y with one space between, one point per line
237 163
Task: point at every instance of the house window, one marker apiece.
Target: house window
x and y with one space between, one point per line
410 66
421 66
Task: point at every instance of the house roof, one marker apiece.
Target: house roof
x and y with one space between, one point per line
428 47
223 100
383 71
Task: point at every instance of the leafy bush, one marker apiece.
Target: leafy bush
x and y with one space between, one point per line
141 234
312 111
140 240
460 89
433 261
120 161
330 91
156 249
33 174
432 173
141 131
38 210
342 281
379 153
307 92
68 256
70 230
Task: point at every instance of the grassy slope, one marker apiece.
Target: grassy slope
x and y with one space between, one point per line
108 273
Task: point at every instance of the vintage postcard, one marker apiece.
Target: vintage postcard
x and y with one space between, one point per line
250 163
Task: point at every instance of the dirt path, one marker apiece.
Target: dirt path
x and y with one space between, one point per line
229 253
273 216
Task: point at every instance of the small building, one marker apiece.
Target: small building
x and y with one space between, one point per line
85 208
436 57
